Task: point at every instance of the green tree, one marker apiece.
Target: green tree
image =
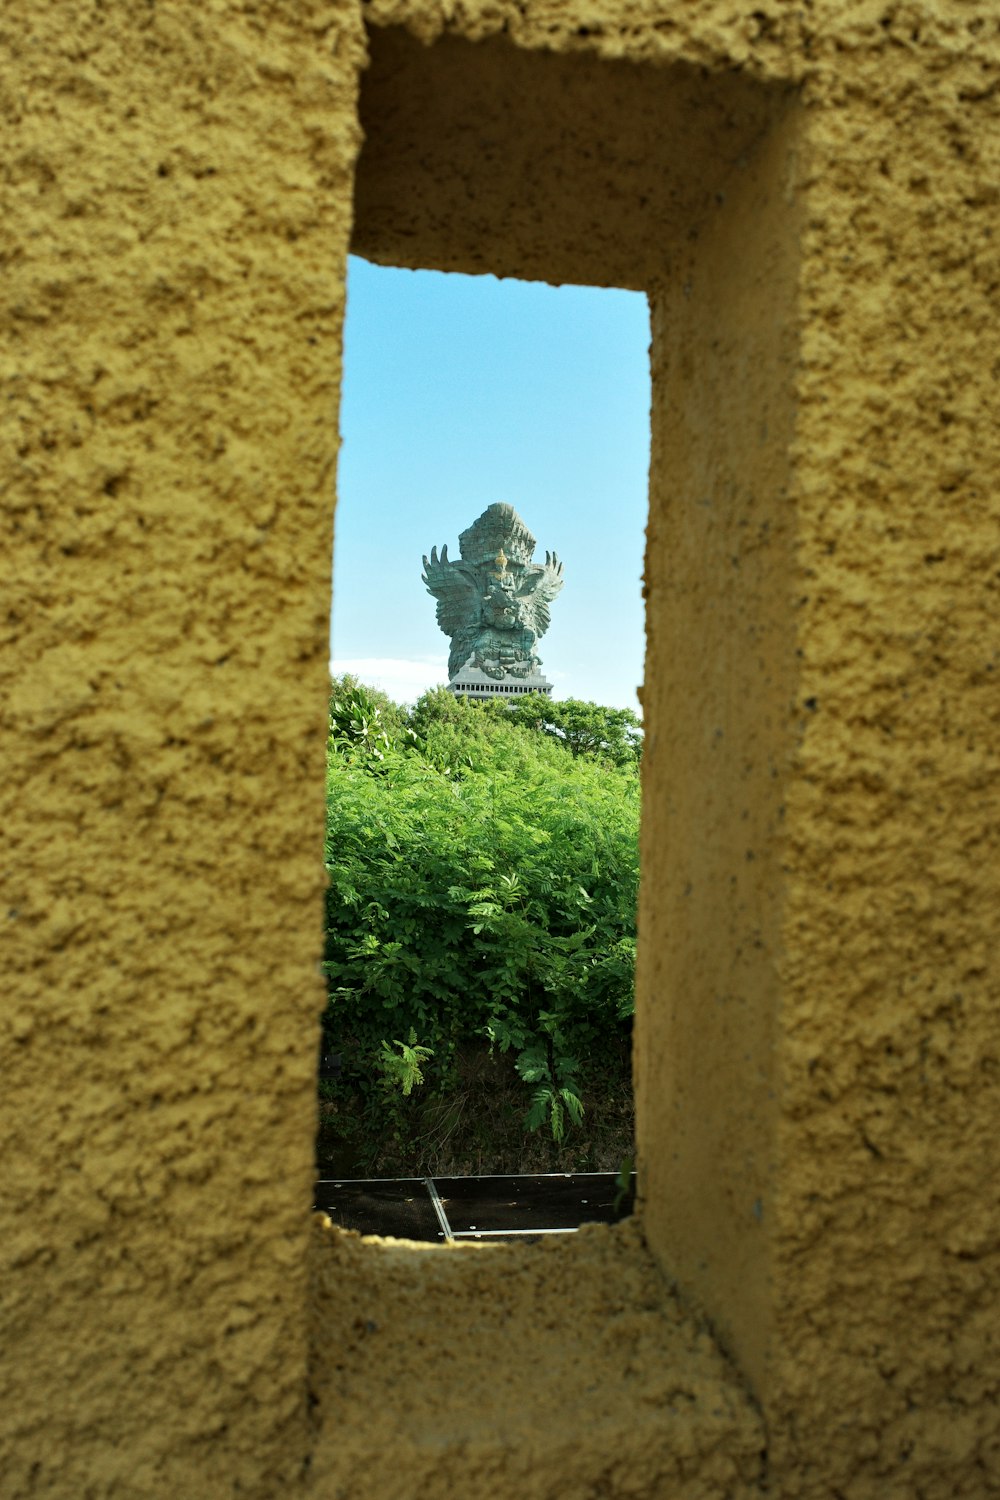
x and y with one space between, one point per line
613 735
482 885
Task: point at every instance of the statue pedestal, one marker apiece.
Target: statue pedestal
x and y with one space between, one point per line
475 684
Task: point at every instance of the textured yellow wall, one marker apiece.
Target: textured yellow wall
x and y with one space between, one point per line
563 1369
810 196
820 1110
175 211
481 157
721 713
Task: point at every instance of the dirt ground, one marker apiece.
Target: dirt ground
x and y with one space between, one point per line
476 1128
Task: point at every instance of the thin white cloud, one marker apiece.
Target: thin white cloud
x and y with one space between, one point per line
404 678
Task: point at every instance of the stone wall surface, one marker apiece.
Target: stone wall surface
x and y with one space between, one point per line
862 774
888 1157
810 195
175 212
564 1368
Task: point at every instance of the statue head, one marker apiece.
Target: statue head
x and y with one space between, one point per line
499 530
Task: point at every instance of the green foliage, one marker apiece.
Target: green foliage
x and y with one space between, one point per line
364 724
482 883
402 1069
542 1060
613 735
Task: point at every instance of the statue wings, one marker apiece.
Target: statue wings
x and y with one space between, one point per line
539 586
454 586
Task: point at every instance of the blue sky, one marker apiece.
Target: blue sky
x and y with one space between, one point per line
463 390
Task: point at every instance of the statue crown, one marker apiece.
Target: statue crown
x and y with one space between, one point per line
498 533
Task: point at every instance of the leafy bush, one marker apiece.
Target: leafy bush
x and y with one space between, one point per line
403 1069
613 735
362 722
482 886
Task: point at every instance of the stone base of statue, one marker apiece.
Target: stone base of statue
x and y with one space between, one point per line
474 683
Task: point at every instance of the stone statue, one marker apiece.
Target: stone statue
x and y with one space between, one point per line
494 602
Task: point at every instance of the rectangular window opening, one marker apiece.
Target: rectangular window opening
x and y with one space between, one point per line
482 847
490 160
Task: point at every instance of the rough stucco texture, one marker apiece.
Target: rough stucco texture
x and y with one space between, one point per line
838 772
719 561
887 1209
817 1064
463 1370
175 207
568 168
